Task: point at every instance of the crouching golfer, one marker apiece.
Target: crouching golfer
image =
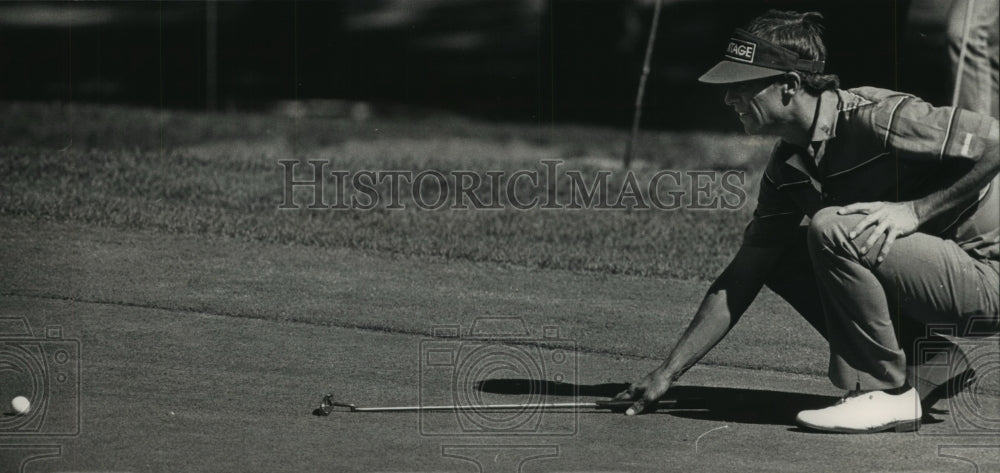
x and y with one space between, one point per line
903 216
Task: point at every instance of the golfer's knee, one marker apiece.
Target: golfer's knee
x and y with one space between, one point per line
828 230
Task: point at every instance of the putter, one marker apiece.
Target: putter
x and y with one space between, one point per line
329 405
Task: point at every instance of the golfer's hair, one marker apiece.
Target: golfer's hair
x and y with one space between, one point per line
801 33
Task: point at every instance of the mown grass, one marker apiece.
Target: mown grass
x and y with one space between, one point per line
218 174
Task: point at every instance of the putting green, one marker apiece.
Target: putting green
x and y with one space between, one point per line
209 354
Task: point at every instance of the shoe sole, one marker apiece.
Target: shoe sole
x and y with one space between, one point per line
898 426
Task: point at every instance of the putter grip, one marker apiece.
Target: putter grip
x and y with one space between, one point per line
611 404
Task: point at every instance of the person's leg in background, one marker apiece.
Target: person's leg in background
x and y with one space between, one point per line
973 27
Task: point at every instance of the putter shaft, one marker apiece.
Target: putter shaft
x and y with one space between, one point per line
485 407
329 405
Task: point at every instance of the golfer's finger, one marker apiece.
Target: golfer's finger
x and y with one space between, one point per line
625 395
862 225
860 207
873 238
887 244
636 408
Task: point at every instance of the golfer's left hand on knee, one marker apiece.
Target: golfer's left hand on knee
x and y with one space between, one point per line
646 391
892 219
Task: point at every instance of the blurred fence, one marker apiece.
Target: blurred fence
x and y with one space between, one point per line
524 60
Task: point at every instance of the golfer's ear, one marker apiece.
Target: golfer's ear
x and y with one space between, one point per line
792 83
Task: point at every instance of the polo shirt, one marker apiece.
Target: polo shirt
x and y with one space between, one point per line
871 144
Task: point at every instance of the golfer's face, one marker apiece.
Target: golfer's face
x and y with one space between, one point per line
757 103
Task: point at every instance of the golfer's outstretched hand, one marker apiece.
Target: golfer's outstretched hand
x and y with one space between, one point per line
645 392
892 219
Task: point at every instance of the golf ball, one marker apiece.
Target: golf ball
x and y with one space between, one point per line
20 404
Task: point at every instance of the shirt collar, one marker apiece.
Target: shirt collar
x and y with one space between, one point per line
827 112
824 125
824 128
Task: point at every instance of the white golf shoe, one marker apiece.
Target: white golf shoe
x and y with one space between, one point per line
866 411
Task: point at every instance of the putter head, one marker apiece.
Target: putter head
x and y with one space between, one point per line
328 405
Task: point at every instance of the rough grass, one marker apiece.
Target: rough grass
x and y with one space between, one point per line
218 174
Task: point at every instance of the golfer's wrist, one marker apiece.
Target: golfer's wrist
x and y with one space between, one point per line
921 208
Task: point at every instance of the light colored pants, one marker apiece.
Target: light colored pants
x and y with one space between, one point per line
977 84
874 315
